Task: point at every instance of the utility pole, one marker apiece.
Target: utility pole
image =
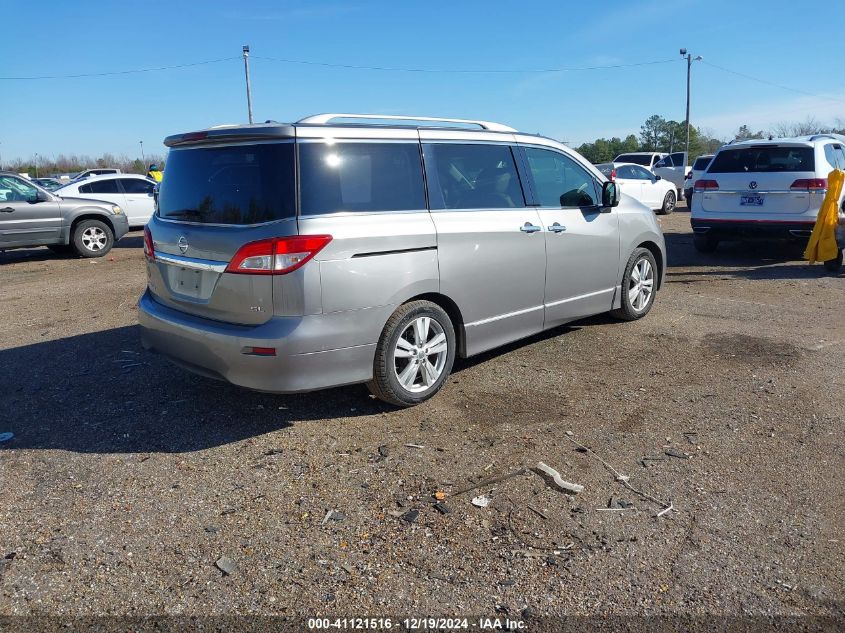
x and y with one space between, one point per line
143 159
690 60
36 166
248 86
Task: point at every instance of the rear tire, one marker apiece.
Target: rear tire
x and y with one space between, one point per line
414 355
92 238
833 265
669 203
639 284
705 243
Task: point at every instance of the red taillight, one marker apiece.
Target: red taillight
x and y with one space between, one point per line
259 351
613 175
809 184
706 185
149 251
278 255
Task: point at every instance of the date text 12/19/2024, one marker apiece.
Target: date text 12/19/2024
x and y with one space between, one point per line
417 624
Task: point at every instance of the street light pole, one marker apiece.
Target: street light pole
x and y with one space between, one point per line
690 60
143 159
248 86
36 166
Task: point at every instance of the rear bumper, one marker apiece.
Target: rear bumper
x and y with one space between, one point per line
215 350
752 228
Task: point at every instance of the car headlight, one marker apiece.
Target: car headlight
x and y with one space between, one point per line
116 209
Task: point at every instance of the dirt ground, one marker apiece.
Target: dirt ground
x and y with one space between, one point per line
128 479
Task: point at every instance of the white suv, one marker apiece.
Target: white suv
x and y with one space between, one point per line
764 188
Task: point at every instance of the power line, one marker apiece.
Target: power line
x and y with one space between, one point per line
462 70
121 72
771 83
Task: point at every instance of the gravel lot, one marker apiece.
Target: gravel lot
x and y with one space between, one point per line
127 478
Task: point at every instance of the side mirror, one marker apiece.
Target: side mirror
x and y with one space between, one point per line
656 178
42 196
609 195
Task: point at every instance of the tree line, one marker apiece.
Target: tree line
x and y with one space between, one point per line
658 134
74 163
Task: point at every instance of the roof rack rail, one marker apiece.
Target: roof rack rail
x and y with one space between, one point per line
830 135
322 119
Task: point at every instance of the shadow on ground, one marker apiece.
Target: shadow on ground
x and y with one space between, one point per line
102 393
749 259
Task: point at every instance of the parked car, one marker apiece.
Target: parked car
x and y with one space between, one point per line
642 185
294 257
646 159
132 192
673 168
50 184
99 171
694 174
32 216
760 188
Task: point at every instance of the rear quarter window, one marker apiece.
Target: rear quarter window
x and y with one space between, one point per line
765 159
360 177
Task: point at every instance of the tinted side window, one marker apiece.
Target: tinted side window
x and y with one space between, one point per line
136 185
363 177
840 152
103 186
701 163
677 159
641 173
627 172
473 176
559 181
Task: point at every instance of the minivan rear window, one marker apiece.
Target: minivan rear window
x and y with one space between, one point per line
237 184
763 159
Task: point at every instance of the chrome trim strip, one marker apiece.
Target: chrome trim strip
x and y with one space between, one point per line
193 264
503 316
586 296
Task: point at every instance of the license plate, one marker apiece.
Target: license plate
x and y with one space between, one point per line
751 201
185 281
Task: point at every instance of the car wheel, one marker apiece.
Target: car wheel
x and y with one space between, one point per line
705 243
668 203
833 265
638 286
414 355
92 238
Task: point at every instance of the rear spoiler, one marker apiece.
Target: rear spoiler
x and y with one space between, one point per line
231 134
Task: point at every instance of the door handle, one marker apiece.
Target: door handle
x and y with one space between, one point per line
6 210
530 228
557 228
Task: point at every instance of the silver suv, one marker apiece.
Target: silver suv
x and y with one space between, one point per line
367 249
32 216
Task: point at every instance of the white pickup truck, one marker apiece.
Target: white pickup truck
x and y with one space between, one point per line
672 168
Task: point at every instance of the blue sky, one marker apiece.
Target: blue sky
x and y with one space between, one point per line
798 45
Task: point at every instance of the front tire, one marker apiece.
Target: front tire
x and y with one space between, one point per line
669 203
414 355
639 284
92 238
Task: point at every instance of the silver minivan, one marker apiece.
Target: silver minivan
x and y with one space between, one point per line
347 249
